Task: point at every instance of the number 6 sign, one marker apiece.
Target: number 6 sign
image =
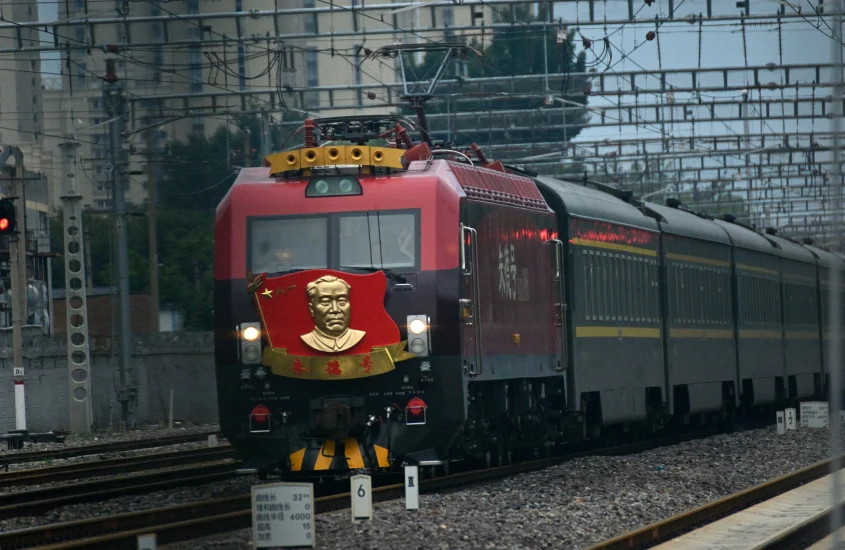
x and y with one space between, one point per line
361 490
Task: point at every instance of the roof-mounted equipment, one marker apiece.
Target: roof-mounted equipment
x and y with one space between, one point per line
350 142
417 93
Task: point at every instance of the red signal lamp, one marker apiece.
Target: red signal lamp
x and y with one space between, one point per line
260 414
416 406
7 217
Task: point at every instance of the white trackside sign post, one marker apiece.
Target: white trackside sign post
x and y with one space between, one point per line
147 542
361 489
283 515
412 488
781 423
791 421
815 414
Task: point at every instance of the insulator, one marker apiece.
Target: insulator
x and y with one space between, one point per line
403 136
479 153
310 138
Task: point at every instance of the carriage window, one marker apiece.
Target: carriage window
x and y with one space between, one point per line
292 243
375 239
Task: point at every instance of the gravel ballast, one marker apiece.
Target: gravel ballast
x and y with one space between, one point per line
133 503
572 505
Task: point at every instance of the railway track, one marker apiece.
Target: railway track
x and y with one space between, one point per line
674 526
38 501
199 519
113 466
117 446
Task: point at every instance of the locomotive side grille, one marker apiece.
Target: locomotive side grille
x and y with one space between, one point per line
497 187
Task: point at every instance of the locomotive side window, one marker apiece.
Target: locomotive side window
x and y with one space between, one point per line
292 243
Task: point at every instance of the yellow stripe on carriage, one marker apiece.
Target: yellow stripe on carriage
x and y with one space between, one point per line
614 246
802 334
756 268
616 332
722 334
697 260
766 334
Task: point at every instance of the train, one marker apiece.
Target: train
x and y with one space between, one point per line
381 301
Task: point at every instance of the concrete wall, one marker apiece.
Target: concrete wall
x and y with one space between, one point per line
181 361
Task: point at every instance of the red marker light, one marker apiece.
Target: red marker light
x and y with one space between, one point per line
416 406
260 413
4 224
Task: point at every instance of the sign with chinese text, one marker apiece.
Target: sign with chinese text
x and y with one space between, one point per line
815 414
283 515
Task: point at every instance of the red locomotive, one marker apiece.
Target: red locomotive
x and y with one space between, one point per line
359 288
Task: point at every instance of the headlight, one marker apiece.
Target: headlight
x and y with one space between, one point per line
249 343
417 326
251 334
419 335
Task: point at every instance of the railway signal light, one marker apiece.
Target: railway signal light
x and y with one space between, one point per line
7 217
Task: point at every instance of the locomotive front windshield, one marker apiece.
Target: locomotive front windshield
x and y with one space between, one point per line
375 239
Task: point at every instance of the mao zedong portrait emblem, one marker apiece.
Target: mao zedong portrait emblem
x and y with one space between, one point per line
328 299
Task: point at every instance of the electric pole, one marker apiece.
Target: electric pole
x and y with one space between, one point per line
114 102
152 233
17 261
247 148
266 144
78 351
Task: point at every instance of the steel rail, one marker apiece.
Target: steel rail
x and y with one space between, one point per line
674 526
114 466
38 501
199 519
37 456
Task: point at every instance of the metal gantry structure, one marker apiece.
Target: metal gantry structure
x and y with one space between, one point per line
765 109
76 299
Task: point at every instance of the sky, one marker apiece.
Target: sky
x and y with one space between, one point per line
50 62
721 45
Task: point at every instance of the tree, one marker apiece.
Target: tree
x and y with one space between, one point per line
509 111
197 175
99 241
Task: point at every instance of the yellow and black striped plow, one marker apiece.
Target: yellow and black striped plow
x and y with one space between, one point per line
326 458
